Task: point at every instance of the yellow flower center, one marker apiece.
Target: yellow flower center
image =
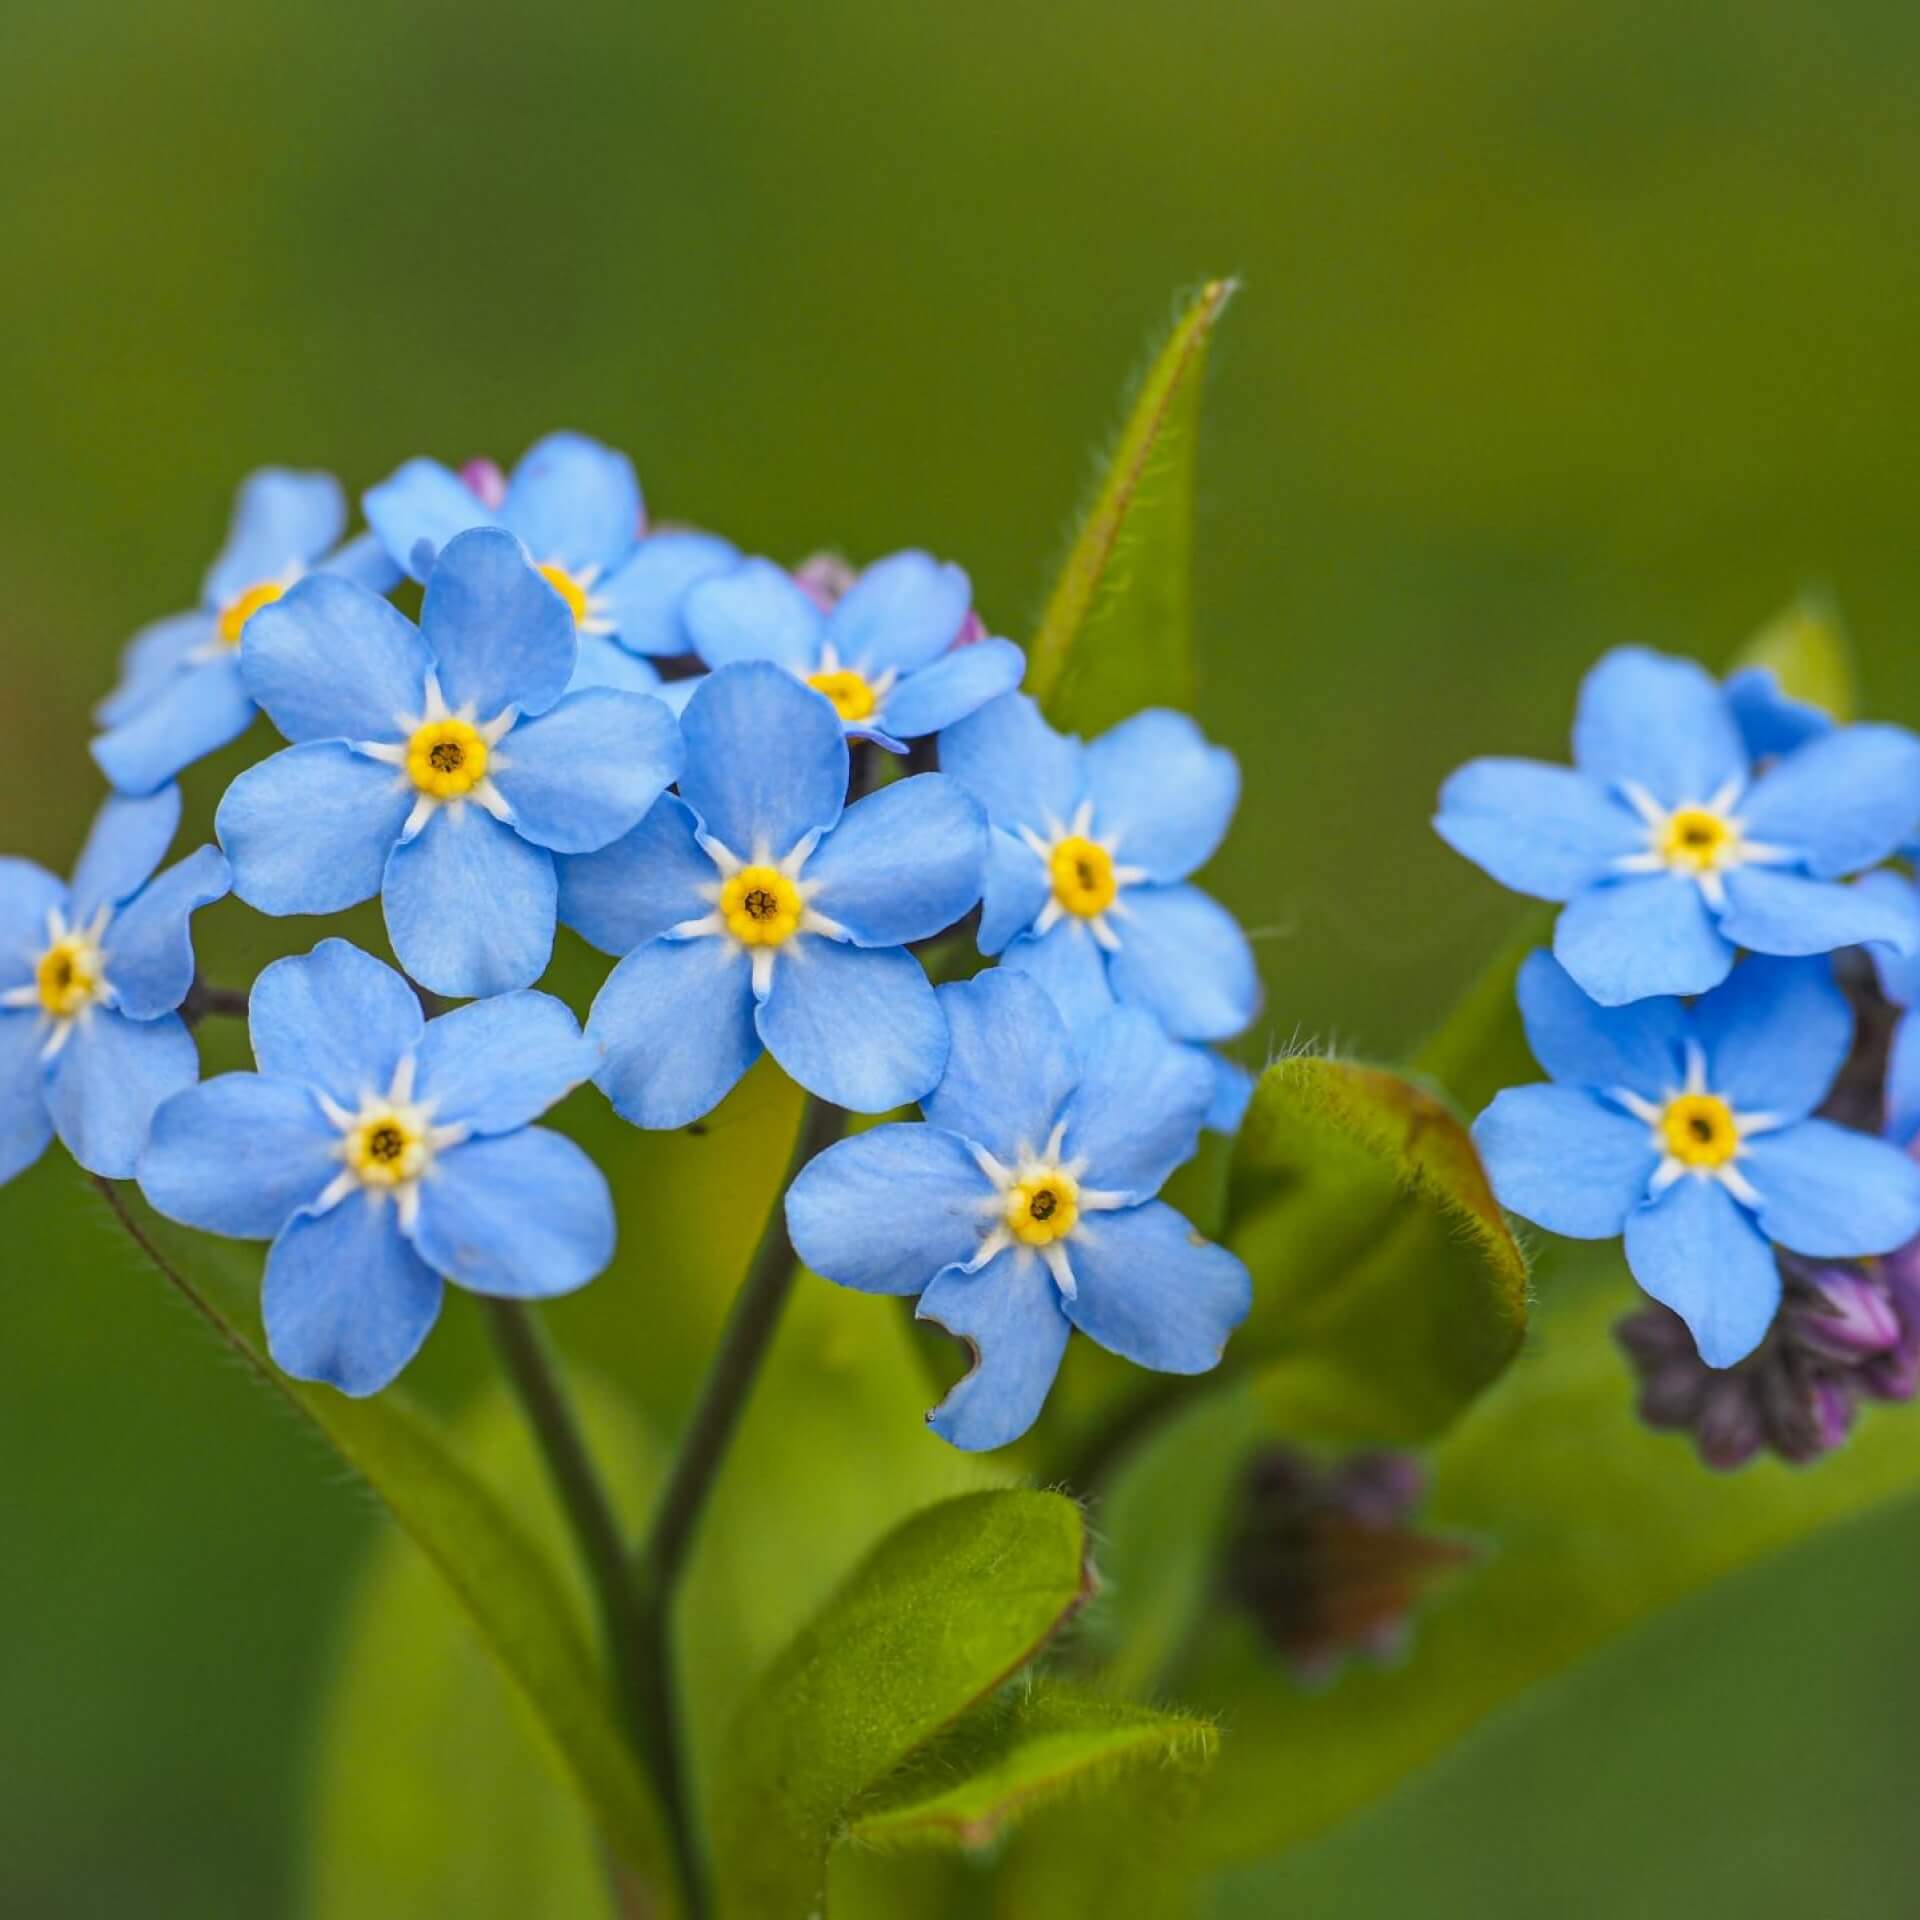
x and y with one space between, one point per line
1043 1208
68 976
568 588
850 692
385 1151
446 758
761 907
1083 881
1700 1131
1697 841
242 607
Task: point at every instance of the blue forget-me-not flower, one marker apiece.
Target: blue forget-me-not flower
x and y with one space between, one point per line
1024 1206
91 975
381 1153
439 766
758 909
1688 1130
1671 852
181 695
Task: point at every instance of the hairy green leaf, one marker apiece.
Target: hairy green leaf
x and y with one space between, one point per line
1810 653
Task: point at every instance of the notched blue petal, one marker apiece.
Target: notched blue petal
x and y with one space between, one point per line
1565 1159
1641 1047
499 1063
1010 1065
418 508
331 661
336 1019
857 1026
766 762
309 830
1844 801
1831 1193
586 772
1544 831
128 840
1138 1110
1016 766
903 864
644 883
1775 1036
469 905
674 1027
1639 937
1161 793
1696 1250
1649 720
903 612
194 712
1183 957
149 941
238 1155
574 502
1152 1290
754 611
1009 1314
955 685
499 635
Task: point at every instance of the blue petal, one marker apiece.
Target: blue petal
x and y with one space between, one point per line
1014 889
674 694
25 1124
753 612
1903 1082
1650 720
1565 1159
1772 722
198 711
282 523
1010 1065
1544 831
418 508
1842 802
1639 1047
1183 957
858 1026
469 905
497 1064
1639 937
1067 963
1232 1093
346 1300
1161 794
1153 1291
1137 1112
1833 1194
766 761
127 842
500 636
598 662
574 502
107 1082
522 1216
1015 765
150 659
644 883
886 1210
331 661
309 830
29 894
903 864
1899 972
674 1026
336 1019
903 612
957 684
1775 1036
365 561
149 941
645 601
1784 913
1009 1314
240 1155
586 772
1697 1251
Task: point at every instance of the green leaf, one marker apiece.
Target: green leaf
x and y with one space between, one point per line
1117 634
1808 648
944 1610
1034 1746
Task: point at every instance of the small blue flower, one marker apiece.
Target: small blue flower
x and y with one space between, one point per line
380 1153
180 695
1671 852
753 911
90 976
438 766
577 506
1088 846
1024 1206
884 656
1688 1130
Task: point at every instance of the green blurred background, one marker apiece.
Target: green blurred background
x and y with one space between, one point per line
1562 324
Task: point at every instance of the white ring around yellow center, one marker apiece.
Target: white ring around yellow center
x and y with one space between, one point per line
1083 878
1699 1130
446 758
761 906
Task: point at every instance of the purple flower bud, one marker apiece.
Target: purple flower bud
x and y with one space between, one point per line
1845 1316
1729 1430
824 578
484 480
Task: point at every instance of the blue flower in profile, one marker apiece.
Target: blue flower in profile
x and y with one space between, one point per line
1089 848
180 695
91 975
883 655
1671 851
577 506
1024 1206
1688 1130
382 1153
439 766
758 909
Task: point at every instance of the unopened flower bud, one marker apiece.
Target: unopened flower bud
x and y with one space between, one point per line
484 480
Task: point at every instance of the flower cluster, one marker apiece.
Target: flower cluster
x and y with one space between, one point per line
762 793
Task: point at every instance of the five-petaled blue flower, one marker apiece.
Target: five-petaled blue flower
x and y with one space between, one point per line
753 911
1024 1206
439 766
1088 848
1671 852
884 656
90 976
577 506
380 1152
180 695
1688 1130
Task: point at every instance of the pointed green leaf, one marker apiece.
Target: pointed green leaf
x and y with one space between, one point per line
1810 653
1117 634
945 1609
